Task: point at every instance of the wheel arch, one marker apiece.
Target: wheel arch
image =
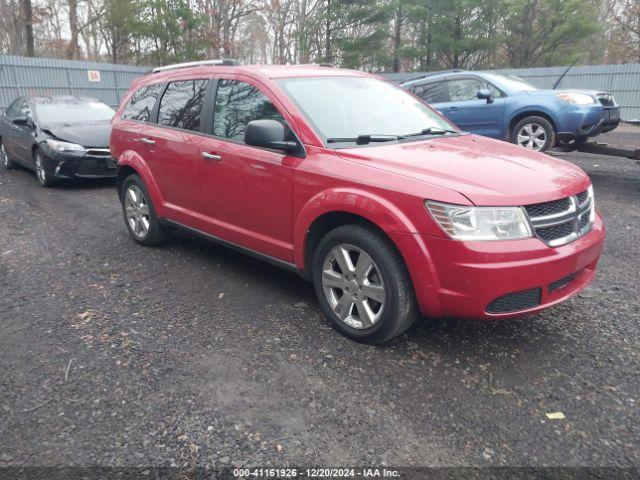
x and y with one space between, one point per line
123 172
327 222
341 206
531 113
129 163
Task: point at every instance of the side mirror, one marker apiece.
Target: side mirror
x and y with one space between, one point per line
485 94
268 134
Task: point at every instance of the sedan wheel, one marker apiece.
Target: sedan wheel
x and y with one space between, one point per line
4 158
353 286
532 136
44 177
136 211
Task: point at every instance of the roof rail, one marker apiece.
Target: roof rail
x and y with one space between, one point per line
432 74
327 65
227 62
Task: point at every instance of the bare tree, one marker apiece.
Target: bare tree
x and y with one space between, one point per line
73 50
26 12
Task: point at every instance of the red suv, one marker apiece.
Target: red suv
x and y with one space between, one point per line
359 186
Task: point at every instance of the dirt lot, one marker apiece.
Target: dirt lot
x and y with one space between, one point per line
191 354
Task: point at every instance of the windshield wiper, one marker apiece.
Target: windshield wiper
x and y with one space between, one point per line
364 139
429 131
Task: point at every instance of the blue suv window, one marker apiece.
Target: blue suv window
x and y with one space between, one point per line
432 92
467 89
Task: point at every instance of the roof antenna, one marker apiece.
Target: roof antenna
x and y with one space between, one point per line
557 82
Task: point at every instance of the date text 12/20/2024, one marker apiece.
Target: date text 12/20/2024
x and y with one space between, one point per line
315 473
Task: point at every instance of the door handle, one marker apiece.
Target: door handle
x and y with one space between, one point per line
454 109
148 141
211 156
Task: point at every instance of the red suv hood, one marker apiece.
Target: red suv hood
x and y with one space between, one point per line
486 171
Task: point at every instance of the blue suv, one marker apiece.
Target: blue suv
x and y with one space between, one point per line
506 107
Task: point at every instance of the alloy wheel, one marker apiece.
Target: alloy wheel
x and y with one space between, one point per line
532 136
136 211
40 171
4 156
353 286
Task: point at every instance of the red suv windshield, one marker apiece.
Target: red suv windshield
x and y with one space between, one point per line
346 107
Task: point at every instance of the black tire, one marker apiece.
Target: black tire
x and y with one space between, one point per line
6 162
571 145
42 166
536 123
399 309
154 234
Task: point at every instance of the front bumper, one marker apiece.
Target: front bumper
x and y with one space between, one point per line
610 119
587 122
466 279
95 163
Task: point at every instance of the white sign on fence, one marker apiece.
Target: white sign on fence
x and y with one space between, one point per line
94 75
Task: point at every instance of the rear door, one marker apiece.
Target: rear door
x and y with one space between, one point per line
435 93
470 113
248 193
171 144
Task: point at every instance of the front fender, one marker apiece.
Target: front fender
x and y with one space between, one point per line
388 217
131 159
532 109
374 208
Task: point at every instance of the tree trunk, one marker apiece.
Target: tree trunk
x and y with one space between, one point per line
429 40
327 37
72 50
397 40
28 27
457 37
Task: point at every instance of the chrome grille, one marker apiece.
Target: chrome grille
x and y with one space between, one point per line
548 208
562 221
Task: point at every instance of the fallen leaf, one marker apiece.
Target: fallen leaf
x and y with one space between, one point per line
555 416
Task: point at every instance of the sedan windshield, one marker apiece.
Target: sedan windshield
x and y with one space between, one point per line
80 111
348 109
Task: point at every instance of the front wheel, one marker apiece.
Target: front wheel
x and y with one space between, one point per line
43 169
534 133
7 163
363 285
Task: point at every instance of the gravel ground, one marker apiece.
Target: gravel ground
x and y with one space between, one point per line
191 354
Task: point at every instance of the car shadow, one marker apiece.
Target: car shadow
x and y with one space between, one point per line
448 336
85 183
69 183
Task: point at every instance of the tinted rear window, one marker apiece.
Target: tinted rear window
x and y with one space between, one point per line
181 104
142 103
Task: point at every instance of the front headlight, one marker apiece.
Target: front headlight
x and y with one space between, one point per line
60 146
480 223
577 98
